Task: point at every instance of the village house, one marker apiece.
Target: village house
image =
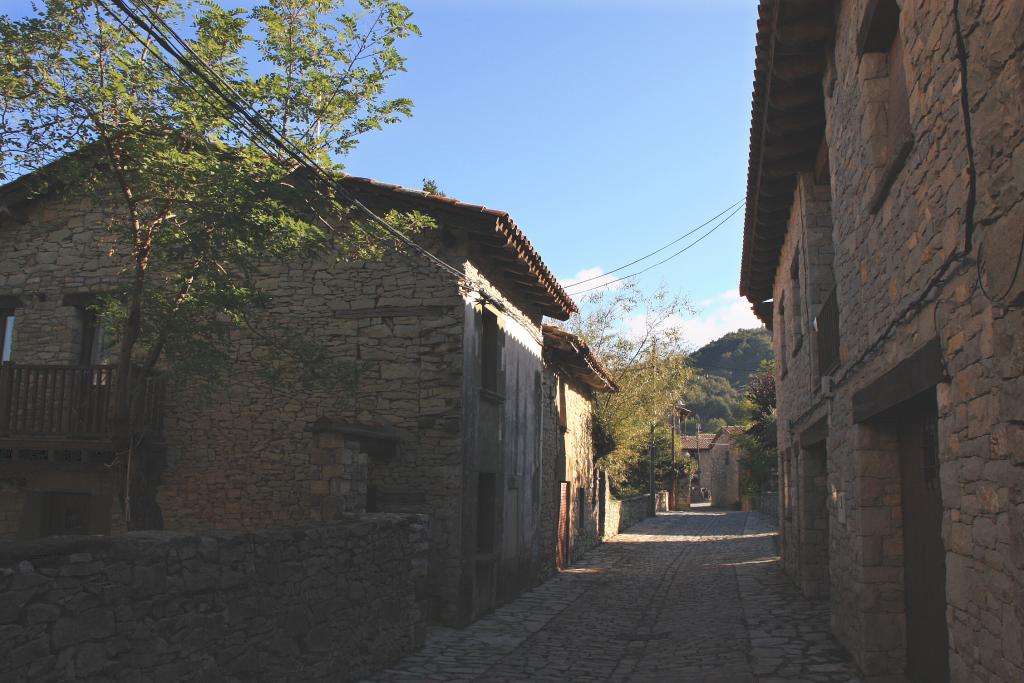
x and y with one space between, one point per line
698 447
447 416
720 469
884 227
574 374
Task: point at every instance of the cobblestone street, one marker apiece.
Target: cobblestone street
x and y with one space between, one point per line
694 596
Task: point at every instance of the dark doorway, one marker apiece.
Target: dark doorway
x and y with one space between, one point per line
486 546
814 521
924 554
65 514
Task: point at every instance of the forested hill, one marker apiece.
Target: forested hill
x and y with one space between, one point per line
722 369
735 355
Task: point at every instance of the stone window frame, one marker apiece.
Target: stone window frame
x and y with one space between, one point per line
90 337
879 33
490 354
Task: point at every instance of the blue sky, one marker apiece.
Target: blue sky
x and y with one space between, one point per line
605 128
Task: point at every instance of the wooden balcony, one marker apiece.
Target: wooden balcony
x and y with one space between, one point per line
826 326
44 408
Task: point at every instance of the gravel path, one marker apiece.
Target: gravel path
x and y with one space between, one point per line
686 596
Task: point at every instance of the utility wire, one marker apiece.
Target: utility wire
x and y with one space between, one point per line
158 29
656 251
665 260
259 131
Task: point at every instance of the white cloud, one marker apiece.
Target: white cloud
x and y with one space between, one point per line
591 279
717 316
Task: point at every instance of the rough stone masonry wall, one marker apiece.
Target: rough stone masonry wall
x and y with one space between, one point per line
622 514
579 466
332 602
883 261
242 455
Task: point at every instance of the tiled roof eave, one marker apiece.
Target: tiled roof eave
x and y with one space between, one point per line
554 301
787 121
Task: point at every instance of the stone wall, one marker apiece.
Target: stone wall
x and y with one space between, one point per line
889 242
332 602
724 476
243 453
624 513
579 468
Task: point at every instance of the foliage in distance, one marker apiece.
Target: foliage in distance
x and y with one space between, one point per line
722 369
759 444
640 340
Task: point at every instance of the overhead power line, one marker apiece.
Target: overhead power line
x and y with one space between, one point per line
168 39
656 251
667 259
260 133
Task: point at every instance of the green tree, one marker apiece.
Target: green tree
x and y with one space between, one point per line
640 339
758 445
722 370
193 207
734 356
430 186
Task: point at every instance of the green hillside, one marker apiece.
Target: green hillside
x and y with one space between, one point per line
722 368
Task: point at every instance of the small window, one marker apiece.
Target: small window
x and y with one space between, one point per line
97 347
797 322
581 497
783 355
490 352
6 334
880 35
563 418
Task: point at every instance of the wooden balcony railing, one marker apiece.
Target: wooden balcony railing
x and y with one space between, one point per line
826 326
68 402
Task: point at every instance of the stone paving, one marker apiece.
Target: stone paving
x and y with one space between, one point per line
686 596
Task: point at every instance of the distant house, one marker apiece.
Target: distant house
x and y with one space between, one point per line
698 447
574 374
447 417
720 468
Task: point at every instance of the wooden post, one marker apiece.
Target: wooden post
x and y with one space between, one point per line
6 389
654 493
672 503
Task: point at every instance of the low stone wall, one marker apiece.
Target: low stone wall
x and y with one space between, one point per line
622 514
335 602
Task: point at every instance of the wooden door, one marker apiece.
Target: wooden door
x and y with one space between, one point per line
562 547
924 554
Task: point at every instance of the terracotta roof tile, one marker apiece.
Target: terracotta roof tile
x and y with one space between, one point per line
700 442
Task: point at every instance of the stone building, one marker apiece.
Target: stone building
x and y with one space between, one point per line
445 418
884 227
574 374
698 447
720 469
